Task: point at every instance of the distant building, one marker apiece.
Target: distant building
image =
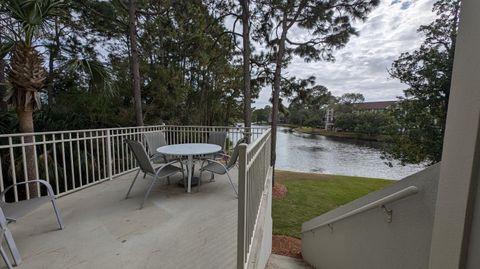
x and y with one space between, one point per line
360 107
374 106
329 119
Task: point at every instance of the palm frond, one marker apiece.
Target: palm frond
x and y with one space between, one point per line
6 47
98 74
32 14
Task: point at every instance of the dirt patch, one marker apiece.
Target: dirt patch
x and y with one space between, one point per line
287 246
279 190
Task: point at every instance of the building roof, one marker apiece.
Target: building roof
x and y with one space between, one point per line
375 105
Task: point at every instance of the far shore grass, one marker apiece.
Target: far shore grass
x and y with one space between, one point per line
350 135
310 195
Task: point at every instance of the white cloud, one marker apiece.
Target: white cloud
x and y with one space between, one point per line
362 65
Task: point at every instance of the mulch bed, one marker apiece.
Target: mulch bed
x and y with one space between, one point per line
287 246
279 190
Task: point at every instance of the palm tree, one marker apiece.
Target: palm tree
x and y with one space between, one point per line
26 74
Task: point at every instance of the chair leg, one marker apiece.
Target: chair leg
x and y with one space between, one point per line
233 186
5 258
212 177
148 192
17 259
57 213
168 180
183 176
199 181
133 182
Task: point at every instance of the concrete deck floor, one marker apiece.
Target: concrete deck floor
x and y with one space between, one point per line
103 230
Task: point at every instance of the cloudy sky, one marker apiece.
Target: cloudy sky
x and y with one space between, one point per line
362 65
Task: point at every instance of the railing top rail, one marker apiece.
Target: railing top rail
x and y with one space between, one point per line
257 141
75 131
218 126
122 128
382 201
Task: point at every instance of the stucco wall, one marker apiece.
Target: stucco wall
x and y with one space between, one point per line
473 261
367 240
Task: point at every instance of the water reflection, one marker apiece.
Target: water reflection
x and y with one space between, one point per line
315 153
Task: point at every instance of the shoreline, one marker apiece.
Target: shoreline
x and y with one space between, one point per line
342 135
320 175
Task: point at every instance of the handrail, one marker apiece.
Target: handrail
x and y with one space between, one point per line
128 128
378 203
253 171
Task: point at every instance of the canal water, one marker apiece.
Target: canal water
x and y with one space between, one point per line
316 153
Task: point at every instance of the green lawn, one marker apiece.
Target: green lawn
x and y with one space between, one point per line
310 195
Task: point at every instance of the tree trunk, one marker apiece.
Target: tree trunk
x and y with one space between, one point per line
134 62
55 48
25 121
3 104
276 91
247 107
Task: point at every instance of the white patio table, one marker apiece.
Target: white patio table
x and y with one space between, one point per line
189 150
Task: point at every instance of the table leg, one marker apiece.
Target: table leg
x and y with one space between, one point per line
190 172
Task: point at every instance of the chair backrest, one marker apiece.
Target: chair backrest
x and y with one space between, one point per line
154 141
217 138
234 157
141 156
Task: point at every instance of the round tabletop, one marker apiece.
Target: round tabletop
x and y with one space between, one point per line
189 149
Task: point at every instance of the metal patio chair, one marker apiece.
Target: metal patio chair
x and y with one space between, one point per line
7 235
11 212
164 171
154 141
216 138
217 167
16 210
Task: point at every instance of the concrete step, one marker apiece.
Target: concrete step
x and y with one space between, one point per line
284 262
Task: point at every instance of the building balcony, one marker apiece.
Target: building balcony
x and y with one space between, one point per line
90 172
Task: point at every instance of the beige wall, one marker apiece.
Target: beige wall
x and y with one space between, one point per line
416 239
455 242
367 240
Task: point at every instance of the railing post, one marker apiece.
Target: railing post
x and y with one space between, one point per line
242 209
109 155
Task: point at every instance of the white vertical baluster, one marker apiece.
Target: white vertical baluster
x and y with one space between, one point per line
87 176
25 172
45 158
99 172
65 187
92 156
71 160
109 155
37 175
14 173
55 163
80 175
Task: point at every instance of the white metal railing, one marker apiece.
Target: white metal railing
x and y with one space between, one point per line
254 166
378 203
73 160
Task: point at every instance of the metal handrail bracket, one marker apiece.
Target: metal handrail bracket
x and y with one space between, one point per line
378 203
